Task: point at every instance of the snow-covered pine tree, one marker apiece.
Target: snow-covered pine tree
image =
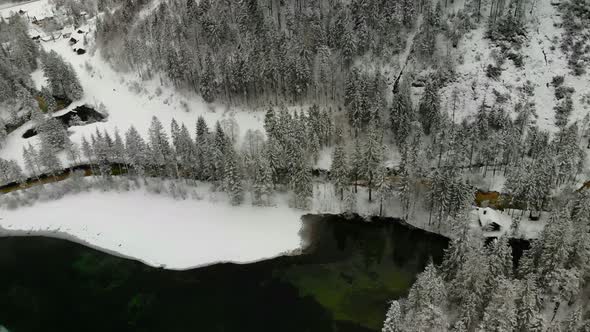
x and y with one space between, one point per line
302 185
220 145
118 153
10 171
429 109
556 246
202 150
3 133
48 158
455 255
373 169
47 102
52 132
208 85
339 172
161 158
186 153
273 153
500 313
136 151
73 153
393 318
174 132
404 190
61 76
87 151
31 160
232 176
357 164
468 287
252 149
270 123
425 304
263 183
528 307
575 319
499 262
402 113
100 146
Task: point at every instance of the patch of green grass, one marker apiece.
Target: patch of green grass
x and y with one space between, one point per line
350 291
102 274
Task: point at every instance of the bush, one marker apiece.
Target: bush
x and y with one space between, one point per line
500 98
557 80
528 88
563 91
516 58
493 72
507 31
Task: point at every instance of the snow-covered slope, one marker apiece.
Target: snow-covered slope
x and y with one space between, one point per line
543 59
128 100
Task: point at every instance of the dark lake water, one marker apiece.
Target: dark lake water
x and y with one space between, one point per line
342 282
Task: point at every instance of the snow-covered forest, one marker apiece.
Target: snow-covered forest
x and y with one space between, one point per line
469 118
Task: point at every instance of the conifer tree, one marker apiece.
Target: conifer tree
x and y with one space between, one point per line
373 159
429 110
31 160
100 146
220 145
48 158
53 133
500 313
118 152
357 164
263 183
302 185
402 113
528 307
3 133
161 152
339 171
136 151
393 319
87 151
202 150
426 300
232 176
61 76
185 151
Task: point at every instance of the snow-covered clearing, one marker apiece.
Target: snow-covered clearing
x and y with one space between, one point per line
162 231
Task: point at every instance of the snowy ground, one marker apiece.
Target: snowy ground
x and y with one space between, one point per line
161 231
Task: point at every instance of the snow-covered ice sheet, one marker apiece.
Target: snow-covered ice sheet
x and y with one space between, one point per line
161 231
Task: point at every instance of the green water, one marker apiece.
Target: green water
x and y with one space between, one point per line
341 283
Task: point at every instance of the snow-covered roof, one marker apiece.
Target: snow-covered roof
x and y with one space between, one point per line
489 216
